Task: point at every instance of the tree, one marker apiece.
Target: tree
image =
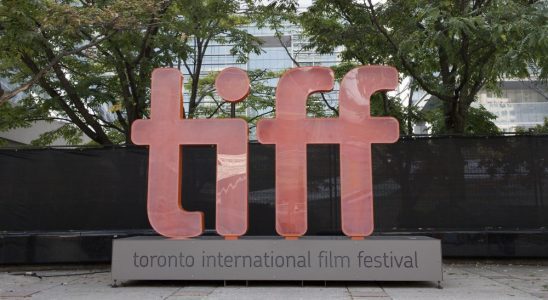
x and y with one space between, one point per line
478 122
537 129
202 22
259 103
451 49
88 63
44 47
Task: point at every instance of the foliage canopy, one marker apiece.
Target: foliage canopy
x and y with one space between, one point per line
451 49
88 63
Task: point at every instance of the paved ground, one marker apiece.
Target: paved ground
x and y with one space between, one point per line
462 280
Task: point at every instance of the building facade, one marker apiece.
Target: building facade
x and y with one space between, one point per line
520 104
278 54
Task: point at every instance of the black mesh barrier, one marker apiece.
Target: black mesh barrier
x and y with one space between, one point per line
462 184
63 190
420 185
428 184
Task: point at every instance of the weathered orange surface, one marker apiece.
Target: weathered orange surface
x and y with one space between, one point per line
355 130
165 132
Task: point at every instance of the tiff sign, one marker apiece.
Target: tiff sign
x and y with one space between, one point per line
290 131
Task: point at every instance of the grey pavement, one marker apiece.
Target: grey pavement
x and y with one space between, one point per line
462 280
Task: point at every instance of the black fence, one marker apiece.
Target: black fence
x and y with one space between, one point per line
481 196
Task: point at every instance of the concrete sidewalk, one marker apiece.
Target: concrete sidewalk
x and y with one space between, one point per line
462 280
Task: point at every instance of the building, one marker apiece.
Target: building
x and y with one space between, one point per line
520 104
278 54
23 136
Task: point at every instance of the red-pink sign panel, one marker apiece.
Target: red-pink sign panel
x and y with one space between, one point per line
355 130
165 132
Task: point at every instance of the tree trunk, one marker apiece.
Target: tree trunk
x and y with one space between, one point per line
385 106
136 114
409 110
200 52
455 116
193 96
128 134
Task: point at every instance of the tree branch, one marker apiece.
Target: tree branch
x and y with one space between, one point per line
279 37
75 99
54 61
260 115
405 63
219 105
56 96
